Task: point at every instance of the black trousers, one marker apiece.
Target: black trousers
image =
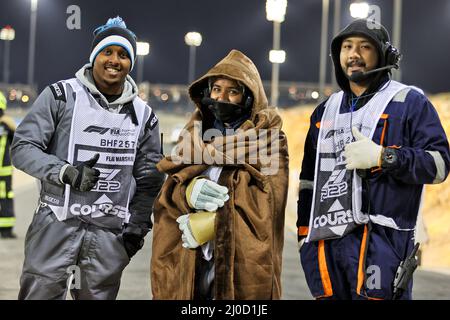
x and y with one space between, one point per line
204 278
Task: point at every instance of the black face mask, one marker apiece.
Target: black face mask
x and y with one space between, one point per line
224 111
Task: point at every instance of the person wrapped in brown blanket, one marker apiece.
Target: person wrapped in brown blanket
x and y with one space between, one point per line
219 218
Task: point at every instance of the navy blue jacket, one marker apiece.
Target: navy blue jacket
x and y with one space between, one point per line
409 122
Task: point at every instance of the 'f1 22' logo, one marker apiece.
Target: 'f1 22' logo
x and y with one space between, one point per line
106 182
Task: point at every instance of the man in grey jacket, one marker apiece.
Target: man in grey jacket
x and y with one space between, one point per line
94 146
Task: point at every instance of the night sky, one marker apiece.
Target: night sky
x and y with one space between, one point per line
224 25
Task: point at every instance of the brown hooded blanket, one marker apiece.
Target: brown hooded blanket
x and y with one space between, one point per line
250 226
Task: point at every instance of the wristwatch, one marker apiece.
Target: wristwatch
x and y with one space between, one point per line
389 158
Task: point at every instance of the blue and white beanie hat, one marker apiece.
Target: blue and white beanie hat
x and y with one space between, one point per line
114 33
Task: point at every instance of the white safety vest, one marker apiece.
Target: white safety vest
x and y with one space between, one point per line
337 193
114 136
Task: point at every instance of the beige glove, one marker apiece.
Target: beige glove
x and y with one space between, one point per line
362 153
197 228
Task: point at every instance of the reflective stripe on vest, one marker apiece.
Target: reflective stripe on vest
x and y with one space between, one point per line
7 222
6 171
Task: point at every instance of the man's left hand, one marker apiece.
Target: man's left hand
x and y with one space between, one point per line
363 153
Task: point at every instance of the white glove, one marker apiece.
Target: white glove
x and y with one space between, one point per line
204 194
363 153
187 237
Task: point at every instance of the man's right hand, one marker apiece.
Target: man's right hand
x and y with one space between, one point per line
204 194
82 177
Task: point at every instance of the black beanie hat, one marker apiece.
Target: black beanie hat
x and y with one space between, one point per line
370 29
114 32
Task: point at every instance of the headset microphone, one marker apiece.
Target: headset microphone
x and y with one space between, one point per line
359 75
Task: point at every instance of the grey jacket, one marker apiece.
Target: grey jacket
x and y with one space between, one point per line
41 140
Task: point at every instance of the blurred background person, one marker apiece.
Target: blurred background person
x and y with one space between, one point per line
7 129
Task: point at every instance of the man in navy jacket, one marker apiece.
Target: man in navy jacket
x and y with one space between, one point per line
368 153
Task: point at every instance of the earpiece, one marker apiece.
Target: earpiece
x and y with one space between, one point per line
391 54
248 101
206 92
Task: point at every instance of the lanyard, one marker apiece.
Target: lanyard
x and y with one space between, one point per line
354 101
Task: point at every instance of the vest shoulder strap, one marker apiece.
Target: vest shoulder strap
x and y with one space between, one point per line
58 90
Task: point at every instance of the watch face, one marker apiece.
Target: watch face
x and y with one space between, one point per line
389 157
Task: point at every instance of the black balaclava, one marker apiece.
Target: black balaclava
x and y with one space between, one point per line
376 33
